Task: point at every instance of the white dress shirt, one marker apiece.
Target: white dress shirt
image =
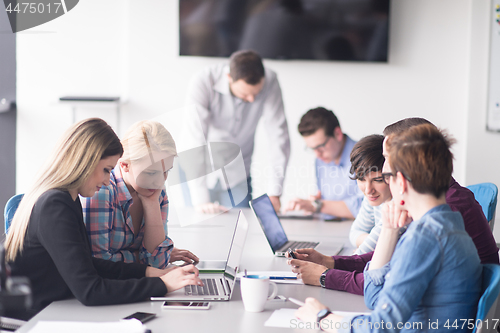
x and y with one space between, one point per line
213 114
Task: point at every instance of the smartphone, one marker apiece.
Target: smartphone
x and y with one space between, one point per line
186 305
291 254
141 316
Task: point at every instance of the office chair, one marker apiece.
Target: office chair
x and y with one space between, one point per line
486 194
488 301
10 209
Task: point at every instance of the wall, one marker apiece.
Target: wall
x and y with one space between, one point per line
7 117
483 156
130 49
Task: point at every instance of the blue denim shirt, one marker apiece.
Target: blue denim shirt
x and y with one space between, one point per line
433 278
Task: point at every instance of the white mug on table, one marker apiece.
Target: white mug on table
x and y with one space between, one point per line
255 290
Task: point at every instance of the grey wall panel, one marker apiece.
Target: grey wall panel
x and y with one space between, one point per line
7 112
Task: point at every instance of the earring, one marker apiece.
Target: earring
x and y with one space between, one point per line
402 203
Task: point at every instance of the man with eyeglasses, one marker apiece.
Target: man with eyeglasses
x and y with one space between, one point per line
338 195
345 273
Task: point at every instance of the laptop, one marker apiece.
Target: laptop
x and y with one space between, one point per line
276 236
217 286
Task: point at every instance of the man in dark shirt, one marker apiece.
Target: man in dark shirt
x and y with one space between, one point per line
346 272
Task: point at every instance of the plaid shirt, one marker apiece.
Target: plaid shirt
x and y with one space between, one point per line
111 232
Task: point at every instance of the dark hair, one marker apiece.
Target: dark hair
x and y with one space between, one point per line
366 156
422 154
247 66
404 124
317 118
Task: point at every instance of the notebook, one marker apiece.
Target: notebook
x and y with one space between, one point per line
217 286
276 236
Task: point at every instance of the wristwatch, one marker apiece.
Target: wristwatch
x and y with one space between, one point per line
317 205
322 315
322 278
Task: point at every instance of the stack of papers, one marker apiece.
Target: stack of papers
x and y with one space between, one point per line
125 326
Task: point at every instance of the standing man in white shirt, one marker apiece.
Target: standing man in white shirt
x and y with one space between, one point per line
225 103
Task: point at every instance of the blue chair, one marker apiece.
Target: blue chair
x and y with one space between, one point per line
10 209
491 289
486 194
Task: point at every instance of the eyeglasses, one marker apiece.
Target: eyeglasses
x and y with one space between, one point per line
387 175
321 146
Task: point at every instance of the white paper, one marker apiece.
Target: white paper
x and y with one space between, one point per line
124 326
288 274
282 318
286 317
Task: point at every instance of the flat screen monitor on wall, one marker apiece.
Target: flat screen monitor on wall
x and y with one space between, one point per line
346 30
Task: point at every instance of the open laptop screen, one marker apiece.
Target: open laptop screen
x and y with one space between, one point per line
236 248
270 222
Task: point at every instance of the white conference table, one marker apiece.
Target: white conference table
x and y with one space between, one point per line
210 240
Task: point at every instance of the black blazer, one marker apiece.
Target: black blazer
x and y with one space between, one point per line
58 261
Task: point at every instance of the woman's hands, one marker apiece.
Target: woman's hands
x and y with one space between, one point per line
309 312
394 216
180 277
151 199
184 255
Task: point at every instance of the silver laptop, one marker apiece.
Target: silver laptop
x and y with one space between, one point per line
217 286
276 236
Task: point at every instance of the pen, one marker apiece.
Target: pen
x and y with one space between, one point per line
283 278
296 301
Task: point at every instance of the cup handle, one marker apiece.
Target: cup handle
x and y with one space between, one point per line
275 290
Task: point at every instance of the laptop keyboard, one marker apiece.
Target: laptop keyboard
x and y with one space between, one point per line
302 245
209 288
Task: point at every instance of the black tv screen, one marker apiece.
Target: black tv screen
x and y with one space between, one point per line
347 30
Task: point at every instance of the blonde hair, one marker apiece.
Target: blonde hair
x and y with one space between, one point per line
69 166
145 137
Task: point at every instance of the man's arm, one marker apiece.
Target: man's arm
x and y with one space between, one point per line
330 207
336 208
197 120
277 131
352 282
345 274
348 273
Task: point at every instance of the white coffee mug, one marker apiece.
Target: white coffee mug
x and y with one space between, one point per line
254 291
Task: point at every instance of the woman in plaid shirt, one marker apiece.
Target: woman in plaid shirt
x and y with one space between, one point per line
127 220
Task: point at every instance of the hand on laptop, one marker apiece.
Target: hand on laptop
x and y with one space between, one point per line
183 255
211 208
180 277
311 255
156 272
